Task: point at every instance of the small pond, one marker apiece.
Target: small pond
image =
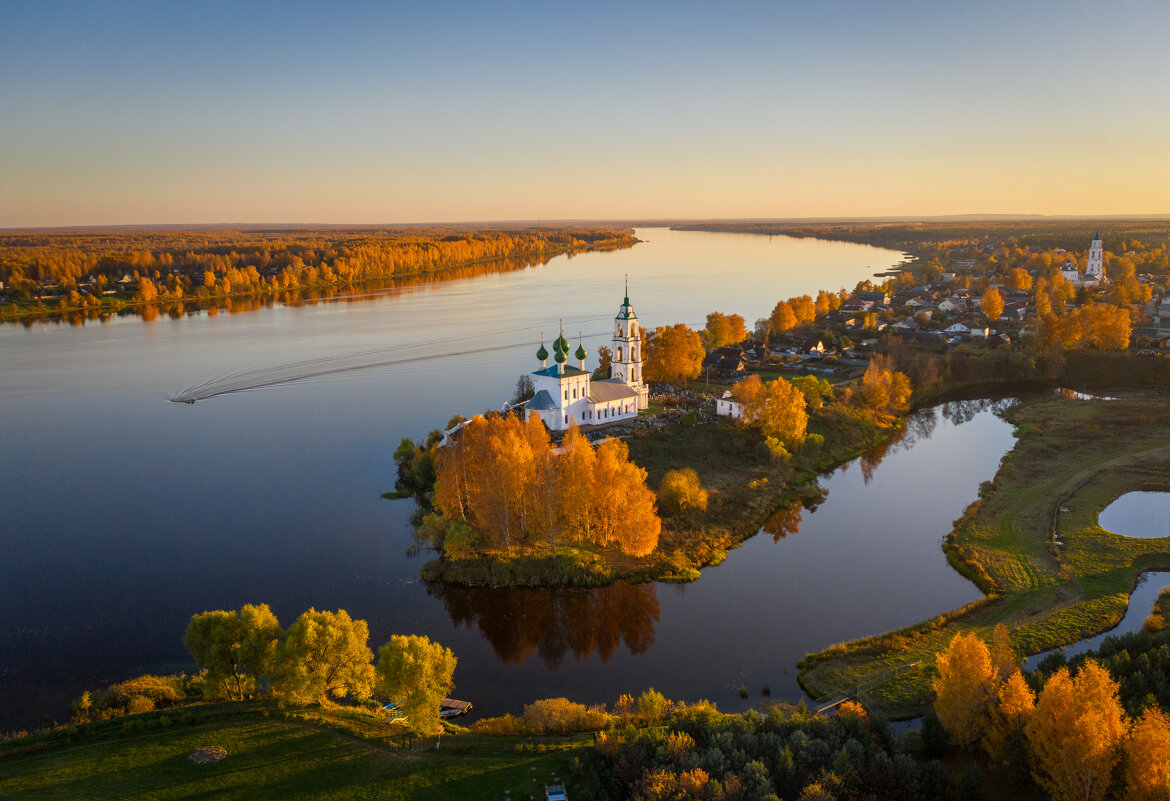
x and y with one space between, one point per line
1145 515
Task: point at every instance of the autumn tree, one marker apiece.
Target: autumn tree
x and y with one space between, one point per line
681 491
1075 732
673 354
723 329
504 480
749 391
883 389
417 674
1004 660
815 390
1147 758
1095 326
991 304
784 414
963 688
236 649
147 291
783 318
325 654
575 474
1010 710
623 506
777 408
1019 279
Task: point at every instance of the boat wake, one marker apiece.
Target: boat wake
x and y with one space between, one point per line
338 364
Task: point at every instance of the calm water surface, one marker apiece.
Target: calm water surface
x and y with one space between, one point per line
123 513
1138 514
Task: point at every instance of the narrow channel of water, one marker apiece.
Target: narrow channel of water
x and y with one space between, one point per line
1141 605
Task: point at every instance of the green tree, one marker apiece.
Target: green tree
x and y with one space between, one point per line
604 359
418 675
237 649
325 654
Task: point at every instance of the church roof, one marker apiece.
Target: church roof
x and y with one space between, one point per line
610 389
541 401
569 372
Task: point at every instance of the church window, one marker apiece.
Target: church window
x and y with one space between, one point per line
566 394
566 419
619 358
574 393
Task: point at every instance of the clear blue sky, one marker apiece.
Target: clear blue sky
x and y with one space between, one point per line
374 112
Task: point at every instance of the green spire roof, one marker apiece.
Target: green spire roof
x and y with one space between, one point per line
561 345
542 354
561 355
581 353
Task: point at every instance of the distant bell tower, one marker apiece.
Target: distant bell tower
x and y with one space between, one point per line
1096 265
626 359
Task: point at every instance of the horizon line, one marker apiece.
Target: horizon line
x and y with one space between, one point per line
632 222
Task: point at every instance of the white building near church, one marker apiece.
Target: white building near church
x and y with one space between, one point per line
567 394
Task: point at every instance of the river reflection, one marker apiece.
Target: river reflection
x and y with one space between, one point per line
522 621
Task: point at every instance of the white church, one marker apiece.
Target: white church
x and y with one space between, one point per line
567 394
1094 274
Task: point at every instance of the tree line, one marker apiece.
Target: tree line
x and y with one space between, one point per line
1066 730
228 261
321 656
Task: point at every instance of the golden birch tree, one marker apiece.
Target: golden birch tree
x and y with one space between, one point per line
1147 758
1075 732
963 688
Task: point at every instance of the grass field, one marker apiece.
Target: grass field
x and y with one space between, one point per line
1032 543
271 755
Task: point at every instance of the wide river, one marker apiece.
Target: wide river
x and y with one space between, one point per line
121 513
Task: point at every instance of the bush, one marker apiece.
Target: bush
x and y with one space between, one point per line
561 716
504 726
681 491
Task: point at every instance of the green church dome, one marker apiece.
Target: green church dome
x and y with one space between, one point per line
561 345
561 356
581 353
542 354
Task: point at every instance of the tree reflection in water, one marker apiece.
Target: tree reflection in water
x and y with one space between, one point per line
786 520
520 621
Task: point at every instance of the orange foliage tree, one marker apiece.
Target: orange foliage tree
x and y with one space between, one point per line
991 304
964 687
1097 327
1147 758
1075 732
724 329
503 477
673 354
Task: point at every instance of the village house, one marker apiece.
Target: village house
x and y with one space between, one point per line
726 406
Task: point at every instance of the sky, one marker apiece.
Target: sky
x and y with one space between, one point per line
382 112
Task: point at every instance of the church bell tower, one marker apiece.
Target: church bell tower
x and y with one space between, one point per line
1096 265
626 358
